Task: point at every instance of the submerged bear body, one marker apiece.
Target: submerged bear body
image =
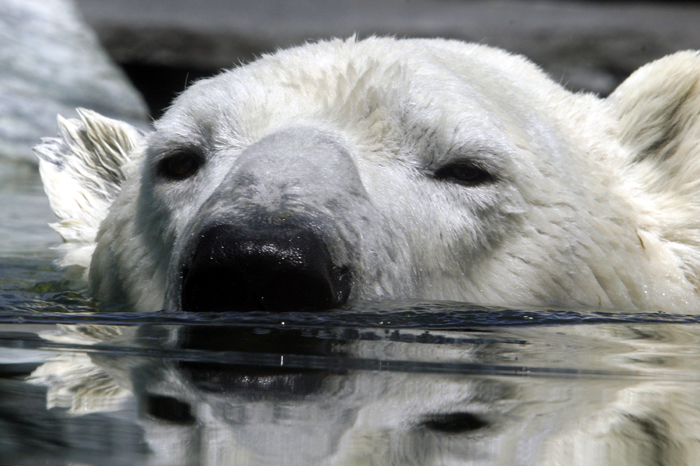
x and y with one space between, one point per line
381 169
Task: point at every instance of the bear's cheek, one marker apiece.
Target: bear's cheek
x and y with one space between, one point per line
456 219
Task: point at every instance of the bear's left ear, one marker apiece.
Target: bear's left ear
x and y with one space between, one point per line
658 108
658 111
82 171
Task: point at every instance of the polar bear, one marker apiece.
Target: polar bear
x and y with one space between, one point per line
384 169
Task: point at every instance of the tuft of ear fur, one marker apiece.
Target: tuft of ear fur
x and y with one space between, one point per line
82 171
658 109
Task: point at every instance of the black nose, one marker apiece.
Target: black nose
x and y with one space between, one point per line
270 268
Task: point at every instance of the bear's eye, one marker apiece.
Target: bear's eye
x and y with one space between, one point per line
455 423
180 165
464 173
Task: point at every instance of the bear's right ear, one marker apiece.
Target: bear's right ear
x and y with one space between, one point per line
82 171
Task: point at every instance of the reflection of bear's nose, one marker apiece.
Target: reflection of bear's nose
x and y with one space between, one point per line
269 268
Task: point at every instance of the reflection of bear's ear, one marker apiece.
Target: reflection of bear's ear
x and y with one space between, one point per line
73 380
658 107
82 171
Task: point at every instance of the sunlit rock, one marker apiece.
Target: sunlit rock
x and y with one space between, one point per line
51 63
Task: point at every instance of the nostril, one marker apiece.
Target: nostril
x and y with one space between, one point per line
276 269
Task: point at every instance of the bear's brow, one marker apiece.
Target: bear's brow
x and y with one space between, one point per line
483 154
160 148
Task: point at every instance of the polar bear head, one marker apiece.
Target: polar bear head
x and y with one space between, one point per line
389 169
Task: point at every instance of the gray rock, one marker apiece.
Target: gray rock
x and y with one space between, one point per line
51 63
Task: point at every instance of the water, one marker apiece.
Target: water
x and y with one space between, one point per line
377 384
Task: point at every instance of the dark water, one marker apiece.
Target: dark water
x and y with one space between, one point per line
377 384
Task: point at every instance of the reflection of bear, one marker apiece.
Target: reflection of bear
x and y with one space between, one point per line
386 169
502 396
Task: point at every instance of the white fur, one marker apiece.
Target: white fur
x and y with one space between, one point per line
595 201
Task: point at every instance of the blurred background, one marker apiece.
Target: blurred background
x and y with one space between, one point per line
129 58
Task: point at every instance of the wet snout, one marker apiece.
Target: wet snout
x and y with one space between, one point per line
276 268
277 234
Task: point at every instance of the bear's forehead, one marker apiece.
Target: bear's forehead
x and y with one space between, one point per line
335 74
324 86
377 92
